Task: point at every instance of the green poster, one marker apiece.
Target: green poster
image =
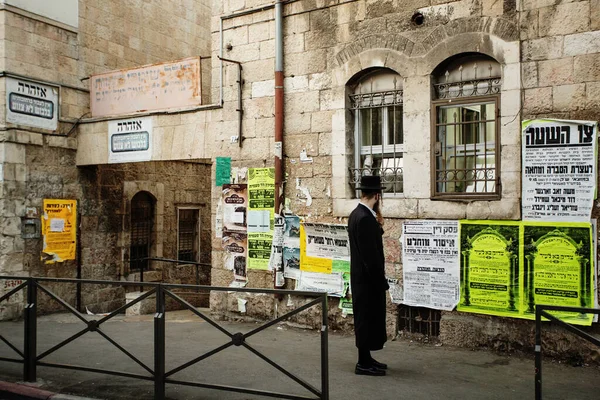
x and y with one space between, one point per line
223 171
558 268
489 267
507 267
261 203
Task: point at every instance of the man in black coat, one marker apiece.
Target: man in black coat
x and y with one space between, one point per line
367 277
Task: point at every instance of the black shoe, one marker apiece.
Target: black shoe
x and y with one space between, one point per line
378 365
368 370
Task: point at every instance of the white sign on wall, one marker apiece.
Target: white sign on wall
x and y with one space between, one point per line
31 104
130 140
559 170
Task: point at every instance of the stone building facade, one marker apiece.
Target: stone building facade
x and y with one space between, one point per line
531 58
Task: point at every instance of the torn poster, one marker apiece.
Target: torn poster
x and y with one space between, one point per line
396 294
276 260
332 284
235 202
291 262
235 244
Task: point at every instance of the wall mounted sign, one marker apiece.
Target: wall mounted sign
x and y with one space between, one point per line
31 104
130 140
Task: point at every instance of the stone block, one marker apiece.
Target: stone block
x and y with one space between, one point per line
263 88
260 32
299 103
587 68
417 132
10 226
492 8
293 145
308 62
592 95
244 52
529 74
511 187
510 159
144 307
555 72
441 209
296 124
415 98
582 43
332 99
417 182
295 84
595 16
296 24
564 19
12 153
547 48
506 209
321 121
538 100
511 103
569 97
319 81
260 70
267 49
294 43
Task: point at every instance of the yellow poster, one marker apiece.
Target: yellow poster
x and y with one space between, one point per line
59 227
312 264
260 222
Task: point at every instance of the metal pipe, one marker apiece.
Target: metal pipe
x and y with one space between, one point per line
278 159
240 109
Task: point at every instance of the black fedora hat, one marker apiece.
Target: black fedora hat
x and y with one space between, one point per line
370 182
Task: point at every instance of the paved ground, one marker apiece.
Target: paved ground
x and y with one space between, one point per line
416 371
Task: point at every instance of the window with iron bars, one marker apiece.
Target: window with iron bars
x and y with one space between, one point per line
379 142
187 234
466 129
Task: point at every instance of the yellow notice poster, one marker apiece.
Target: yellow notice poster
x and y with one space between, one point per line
312 264
59 227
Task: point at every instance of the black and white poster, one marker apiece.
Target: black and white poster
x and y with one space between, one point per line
431 263
559 170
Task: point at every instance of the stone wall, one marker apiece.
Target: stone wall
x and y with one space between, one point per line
548 51
37 164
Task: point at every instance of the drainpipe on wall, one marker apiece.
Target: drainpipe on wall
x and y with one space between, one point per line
279 192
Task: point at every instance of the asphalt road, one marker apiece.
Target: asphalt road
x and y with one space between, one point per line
416 371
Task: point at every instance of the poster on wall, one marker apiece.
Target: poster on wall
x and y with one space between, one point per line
261 206
276 259
59 228
559 170
235 245
430 264
31 104
130 140
222 171
558 269
489 267
324 258
235 203
507 267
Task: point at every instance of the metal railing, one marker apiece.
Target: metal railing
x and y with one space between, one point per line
543 311
30 358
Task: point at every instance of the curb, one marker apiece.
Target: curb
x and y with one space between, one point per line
10 391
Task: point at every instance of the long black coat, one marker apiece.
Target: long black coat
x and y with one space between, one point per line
367 279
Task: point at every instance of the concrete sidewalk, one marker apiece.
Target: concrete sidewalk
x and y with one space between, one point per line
416 371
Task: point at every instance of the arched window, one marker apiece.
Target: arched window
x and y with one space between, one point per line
376 103
465 145
142 226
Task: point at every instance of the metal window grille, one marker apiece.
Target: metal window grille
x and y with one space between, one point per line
379 140
466 134
419 320
142 225
188 235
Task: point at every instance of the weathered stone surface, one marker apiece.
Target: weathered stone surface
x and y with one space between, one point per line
563 19
568 97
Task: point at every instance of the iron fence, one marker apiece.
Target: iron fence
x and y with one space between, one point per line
30 358
543 311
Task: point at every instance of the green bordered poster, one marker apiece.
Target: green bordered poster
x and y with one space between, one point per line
223 171
558 268
508 267
489 268
261 203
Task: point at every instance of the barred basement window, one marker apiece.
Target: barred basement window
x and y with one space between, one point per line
466 128
419 320
377 103
187 234
142 226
